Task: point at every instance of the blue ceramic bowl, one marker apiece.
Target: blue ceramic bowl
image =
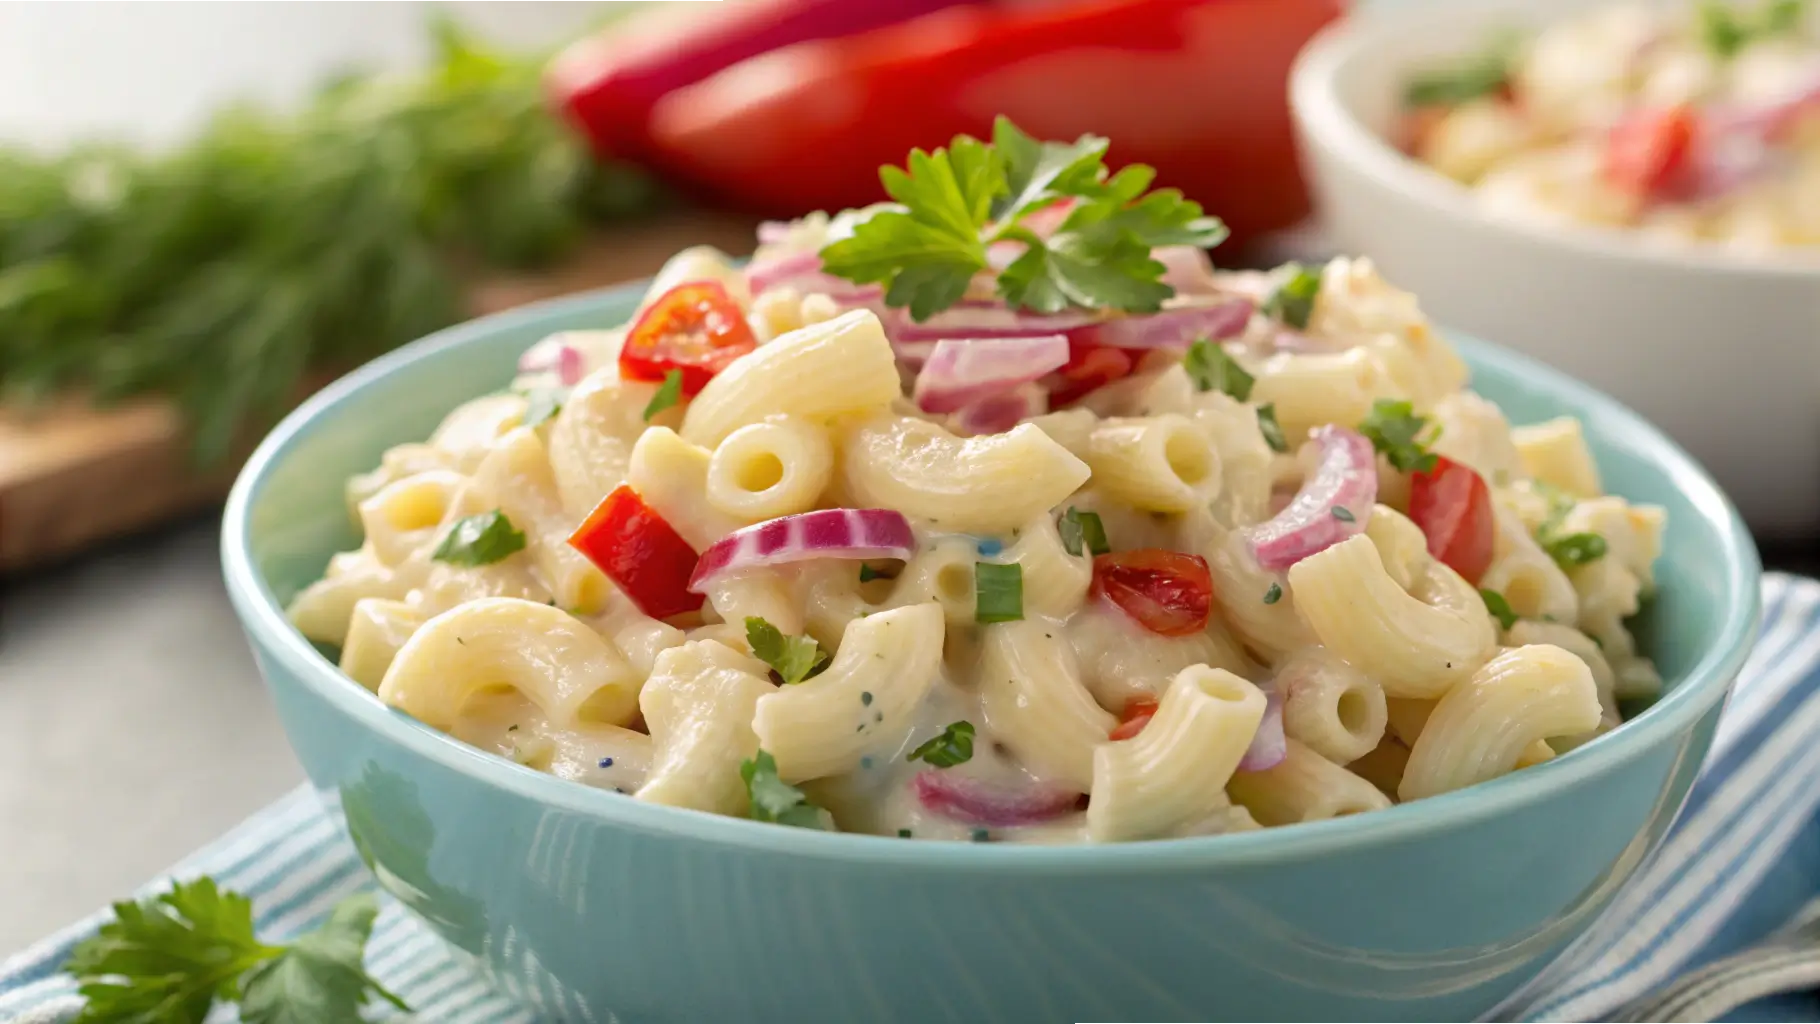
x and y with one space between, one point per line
588 899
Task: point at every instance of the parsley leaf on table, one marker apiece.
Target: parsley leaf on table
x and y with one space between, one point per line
170 958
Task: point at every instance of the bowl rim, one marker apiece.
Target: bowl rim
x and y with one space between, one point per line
1326 122
273 635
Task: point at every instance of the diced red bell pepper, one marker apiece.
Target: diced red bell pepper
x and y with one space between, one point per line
640 552
1648 151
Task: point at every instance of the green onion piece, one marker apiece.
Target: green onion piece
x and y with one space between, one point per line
1082 528
998 592
1576 548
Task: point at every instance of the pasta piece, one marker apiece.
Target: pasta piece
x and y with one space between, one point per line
1070 428
1174 772
1121 660
1311 389
322 610
698 705
983 485
598 755
1055 582
377 629
638 636
1415 643
1156 463
1529 580
1304 787
698 263
1329 706
868 695
841 367
1272 629
1405 717
755 592
671 476
398 462
516 479
1474 433
443 586
1480 729
403 516
942 572
471 430
1383 766
1581 646
770 469
1555 453
1033 700
554 660
591 437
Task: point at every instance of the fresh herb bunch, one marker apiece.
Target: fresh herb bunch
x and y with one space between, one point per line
957 200
219 273
171 958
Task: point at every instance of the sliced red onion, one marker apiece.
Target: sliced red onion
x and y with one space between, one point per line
1187 269
803 272
962 371
1345 481
1268 746
554 355
983 803
995 414
1763 120
828 533
1173 328
772 232
913 353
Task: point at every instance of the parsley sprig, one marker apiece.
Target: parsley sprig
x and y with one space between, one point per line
952 746
480 539
1466 79
955 201
1726 29
1567 549
1394 429
172 957
793 658
777 801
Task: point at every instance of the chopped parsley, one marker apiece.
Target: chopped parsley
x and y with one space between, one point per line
998 592
480 540
668 394
543 403
1499 608
1293 301
903 833
954 746
777 801
1082 531
793 658
961 198
981 835
1211 369
1480 74
1344 514
1726 29
1575 548
1274 594
1393 428
1270 428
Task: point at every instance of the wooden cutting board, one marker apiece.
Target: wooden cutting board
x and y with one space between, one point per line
72 476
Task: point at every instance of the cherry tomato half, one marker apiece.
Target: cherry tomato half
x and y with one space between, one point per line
1089 367
1138 712
695 327
639 551
1648 150
1167 592
1452 505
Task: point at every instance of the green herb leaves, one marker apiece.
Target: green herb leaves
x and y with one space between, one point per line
1079 528
171 958
1727 29
794 658
480 540
1271 429
1499 608
954 746
958 199
777 801
1274 593
668 394
998 592
1293 301
1575 548
1480 74
1392 427
1211 369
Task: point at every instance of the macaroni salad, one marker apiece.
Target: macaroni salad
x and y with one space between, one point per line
1114 548
1694 124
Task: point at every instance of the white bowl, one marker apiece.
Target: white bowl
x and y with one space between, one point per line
1720 350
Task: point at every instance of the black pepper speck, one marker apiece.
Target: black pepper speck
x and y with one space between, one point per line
865 697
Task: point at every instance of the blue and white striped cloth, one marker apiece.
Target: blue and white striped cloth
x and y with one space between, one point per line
1724 923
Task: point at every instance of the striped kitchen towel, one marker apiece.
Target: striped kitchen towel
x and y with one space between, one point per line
1724 922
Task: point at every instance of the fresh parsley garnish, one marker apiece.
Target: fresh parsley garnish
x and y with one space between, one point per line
1080 529
1499 608
543 403
777 801
1212 369
1293 301
958 199
1270 428
668 394
954 746
1480 74
1274 594
998 592
794 658
172 957
1575 548
480 540
1393 428
1727 29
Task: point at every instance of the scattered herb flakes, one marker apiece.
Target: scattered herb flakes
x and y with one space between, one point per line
1274 594
1211 369
954 746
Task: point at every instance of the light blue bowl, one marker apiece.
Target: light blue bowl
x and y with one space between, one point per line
618 910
